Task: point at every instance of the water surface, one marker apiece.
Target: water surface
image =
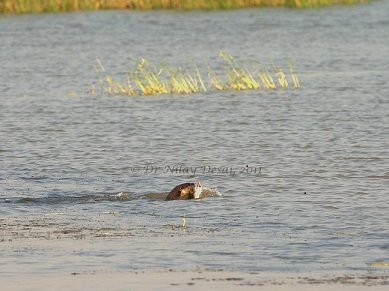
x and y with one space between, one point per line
314 194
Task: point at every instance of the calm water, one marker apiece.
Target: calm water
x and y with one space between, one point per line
315 194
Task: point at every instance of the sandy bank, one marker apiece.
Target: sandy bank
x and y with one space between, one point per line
196 280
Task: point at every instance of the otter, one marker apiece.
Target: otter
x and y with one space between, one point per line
185 191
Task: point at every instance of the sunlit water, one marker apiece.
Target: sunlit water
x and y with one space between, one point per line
303 173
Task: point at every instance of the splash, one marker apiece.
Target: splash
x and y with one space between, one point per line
210 192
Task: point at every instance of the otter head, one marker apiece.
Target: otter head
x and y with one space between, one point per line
185 191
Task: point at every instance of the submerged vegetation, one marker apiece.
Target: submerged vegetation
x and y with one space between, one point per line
29 6
147 79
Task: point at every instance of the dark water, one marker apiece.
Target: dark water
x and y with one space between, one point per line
314 196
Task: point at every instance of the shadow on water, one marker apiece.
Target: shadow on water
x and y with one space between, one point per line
93 198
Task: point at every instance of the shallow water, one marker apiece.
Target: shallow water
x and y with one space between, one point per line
304 173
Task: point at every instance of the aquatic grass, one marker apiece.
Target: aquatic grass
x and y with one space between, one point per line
295 80
214 81
238 77
147 79
321 3
34 6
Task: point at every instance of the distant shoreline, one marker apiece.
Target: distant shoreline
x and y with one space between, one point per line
39 6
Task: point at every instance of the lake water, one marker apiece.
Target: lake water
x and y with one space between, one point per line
305 171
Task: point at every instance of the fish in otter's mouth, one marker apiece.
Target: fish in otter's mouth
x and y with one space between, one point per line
185 191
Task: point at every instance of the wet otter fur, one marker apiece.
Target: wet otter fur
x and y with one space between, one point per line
185 191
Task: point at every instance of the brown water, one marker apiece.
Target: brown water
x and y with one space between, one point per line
314 196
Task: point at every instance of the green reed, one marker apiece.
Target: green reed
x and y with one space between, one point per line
147 79
32 6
